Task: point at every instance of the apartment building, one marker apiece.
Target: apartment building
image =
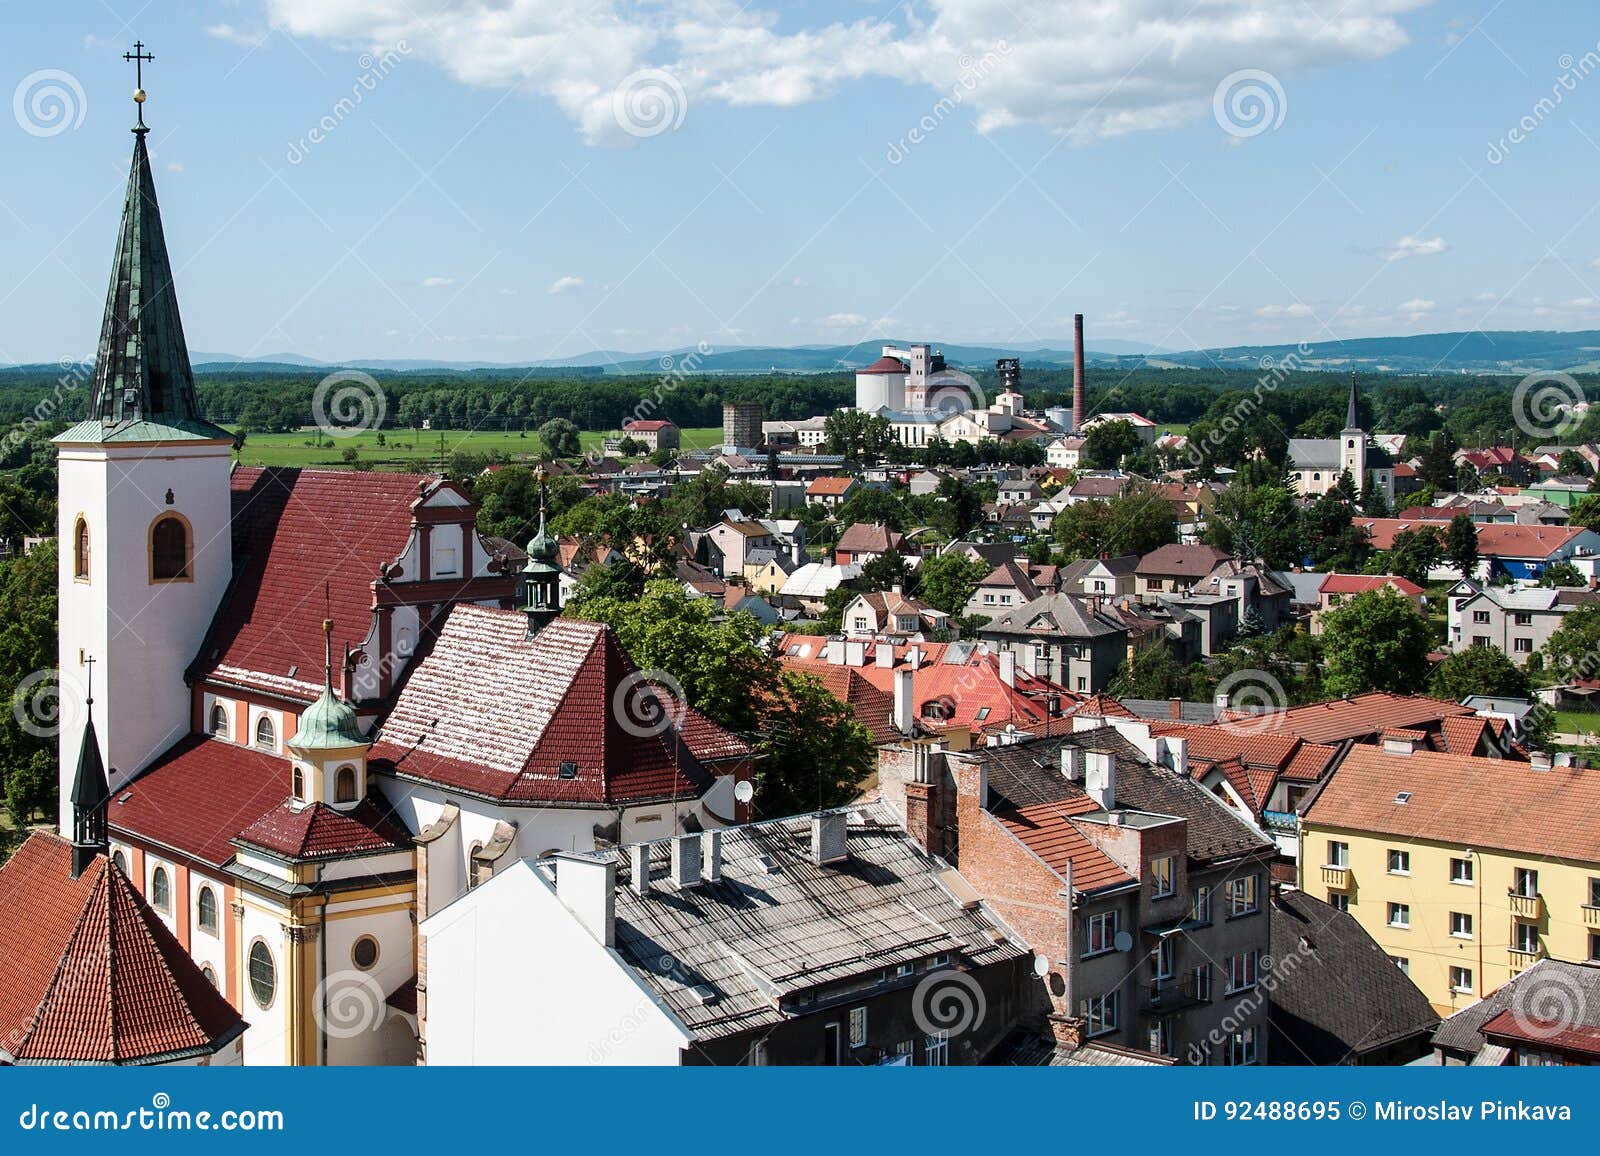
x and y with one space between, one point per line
1144 895
1465 870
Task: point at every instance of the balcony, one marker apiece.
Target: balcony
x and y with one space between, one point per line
1591 916
1522 960
1526 906
1336 877
1165 996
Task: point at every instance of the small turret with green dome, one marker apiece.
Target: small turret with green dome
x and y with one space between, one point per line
539 589
329 723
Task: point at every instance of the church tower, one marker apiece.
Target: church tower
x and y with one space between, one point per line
144 511
539 587
1353 442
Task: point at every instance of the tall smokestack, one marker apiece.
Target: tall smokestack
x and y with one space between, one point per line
1079 409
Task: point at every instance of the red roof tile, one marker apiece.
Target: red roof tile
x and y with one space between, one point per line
294 531
320 831
649 425
1047 830
92 975
198 795
1357 717
1463 736
1361 583
494 712
885 364
1545 1035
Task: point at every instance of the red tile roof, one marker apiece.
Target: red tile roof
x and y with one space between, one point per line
867 538
873 708
1357 717
1499 540
884 364
92 975
1467 802
295 530
200 794
1556 1034
651 425
1193 561
496 713
829 487
1361 583
321 832
1047 830
1463 736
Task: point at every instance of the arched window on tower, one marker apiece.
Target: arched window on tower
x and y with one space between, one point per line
169 549
266 733
297 784
80 549
344 785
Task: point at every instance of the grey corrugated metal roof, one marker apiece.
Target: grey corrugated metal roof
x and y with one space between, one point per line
721 956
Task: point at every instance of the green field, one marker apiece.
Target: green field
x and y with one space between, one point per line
417 450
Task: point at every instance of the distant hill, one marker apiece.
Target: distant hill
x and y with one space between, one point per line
1503 351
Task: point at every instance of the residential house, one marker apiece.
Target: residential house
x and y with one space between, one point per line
864 541
1019 491
657 434
1062 638
808 940
1516 621
1337 998
831 492
1005 587
1142 896
1467 870
1175 569
1100 487
890 613
737 538
1336 589
1065 452
1105 577
1547 1016
1263 597
1495 461
1143 426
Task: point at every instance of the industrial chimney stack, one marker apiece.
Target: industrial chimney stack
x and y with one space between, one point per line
1079 409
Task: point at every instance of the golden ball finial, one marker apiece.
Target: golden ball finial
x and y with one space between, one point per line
138 96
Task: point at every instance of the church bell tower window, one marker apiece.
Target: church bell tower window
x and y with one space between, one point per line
169 549
80 549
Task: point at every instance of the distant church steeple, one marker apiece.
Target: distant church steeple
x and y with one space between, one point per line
1350 418
539 589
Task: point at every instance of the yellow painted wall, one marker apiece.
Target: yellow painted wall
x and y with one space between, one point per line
1563 918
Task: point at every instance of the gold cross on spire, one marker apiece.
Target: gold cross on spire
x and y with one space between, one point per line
139 56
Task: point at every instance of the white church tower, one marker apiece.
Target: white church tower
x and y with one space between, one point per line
1353 442
144 511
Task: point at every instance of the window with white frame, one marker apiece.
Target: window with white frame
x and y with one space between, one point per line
936 1049
1461 924
1399 861
1594 892
1399 915
1101 933
1461 980
1402 963
1202 904
1161 1036
1339 900
1101 1012
1242 896
858 1027
1525 882
1338 853
1242 1047
1242 970
1461 870
1202 983
1525 937
1161 871
1161 959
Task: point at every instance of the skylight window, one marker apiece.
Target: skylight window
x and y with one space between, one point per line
1402 798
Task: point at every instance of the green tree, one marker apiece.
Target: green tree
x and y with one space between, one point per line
1135 523
1479 670
1562 574
1412 555
947 581
873 504
1586 514
560 438
1375 641
1152 672
1461 545
885 572
27 648
1107 443
813 754
1436 465
1263 521
1574 648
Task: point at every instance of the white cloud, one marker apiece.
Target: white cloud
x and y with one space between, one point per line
1297 309
1417 305
1082 68
437 282
1415 247
844 320
243 37
565 285
1595 264
174 166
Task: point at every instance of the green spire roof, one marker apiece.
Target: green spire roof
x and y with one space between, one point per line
143 388
329 723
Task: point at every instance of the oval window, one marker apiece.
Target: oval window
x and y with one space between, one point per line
263 974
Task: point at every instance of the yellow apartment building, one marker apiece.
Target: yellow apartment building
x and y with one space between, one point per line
1465 870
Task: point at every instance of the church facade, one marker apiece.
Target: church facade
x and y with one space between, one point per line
326 707
1317 464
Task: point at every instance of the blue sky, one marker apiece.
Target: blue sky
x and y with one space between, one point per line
493 194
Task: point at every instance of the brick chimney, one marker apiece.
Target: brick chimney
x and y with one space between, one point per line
1080 410
1068 1030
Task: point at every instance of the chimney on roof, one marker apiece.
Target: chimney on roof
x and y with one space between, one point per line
884 655
1538 761
1067 1030
1175 708
1008 667
1071 763
711 855
1100 778
1080 409
1220 703
1394 744
828 837
686 861
914 657
586 884
835 649
855 652
639 860
904 716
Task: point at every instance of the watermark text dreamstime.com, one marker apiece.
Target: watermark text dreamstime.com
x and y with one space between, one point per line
973 73
1573 70
158 1116
374 69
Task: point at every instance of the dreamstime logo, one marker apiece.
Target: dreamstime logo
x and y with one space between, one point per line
349 1004
49 102
1548 1002
1571 72
649 703
1249 102
972 73
1544 404
1254 700
951 392
39 699
948 1001
348 402
649 102
374 69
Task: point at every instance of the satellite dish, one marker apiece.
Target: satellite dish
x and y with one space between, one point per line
1041 965
744 791
1124 941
